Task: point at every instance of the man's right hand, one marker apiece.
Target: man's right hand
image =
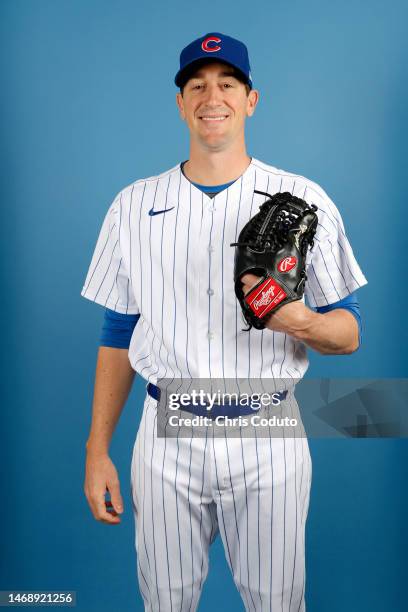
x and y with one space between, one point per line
101 476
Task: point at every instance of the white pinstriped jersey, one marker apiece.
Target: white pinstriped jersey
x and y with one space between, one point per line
175 269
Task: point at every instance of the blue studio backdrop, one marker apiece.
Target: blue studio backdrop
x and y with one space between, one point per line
88 106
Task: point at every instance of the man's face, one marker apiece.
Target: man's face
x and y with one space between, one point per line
215 105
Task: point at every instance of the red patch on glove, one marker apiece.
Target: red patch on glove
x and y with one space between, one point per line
265 297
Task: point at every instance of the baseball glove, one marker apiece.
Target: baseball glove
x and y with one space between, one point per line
273 245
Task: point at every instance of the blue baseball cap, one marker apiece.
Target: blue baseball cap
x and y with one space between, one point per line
215 47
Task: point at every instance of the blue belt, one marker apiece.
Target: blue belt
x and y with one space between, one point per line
230 410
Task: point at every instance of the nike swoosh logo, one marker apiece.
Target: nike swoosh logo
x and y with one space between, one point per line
152 212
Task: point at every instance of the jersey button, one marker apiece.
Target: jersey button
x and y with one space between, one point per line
210 292
211 209
211 249
210 335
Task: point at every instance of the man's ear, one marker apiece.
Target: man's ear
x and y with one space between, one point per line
253 98
180 104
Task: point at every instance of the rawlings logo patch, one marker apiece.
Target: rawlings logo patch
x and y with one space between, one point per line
265 299
287 264
267 296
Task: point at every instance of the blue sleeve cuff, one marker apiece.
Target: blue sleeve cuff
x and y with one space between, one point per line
349 303
117 329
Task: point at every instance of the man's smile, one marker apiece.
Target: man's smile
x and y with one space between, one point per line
213 117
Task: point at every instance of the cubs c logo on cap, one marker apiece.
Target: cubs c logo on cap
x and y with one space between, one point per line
211 39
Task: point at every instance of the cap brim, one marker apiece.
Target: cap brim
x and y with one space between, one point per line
183 75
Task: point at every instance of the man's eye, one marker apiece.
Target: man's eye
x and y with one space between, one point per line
197 86
227 85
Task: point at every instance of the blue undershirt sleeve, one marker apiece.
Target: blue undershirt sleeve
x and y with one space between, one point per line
350 303
117 329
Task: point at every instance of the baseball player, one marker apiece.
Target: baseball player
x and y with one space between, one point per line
163 269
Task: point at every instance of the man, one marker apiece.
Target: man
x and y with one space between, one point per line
163 269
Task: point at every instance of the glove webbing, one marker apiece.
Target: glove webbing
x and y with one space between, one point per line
258 239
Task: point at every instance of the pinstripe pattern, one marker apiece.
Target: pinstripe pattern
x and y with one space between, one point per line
259 488
253 492
146 264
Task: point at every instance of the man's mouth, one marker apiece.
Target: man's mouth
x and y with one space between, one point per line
213 117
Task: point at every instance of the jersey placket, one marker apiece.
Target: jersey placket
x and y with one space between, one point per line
207 331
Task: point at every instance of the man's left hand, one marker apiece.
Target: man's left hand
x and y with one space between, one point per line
293 318
332 333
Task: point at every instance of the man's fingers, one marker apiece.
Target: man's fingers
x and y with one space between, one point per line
99 508
248 281
110 508
102 478
116 498
102 514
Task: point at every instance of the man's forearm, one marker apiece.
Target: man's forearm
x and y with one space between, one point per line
332 333
113 382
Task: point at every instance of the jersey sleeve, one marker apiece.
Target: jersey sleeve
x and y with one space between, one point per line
349 303
331 267
117 329
107 282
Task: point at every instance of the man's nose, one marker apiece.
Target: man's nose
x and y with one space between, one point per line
214 94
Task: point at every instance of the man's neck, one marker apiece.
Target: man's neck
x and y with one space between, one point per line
215 168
